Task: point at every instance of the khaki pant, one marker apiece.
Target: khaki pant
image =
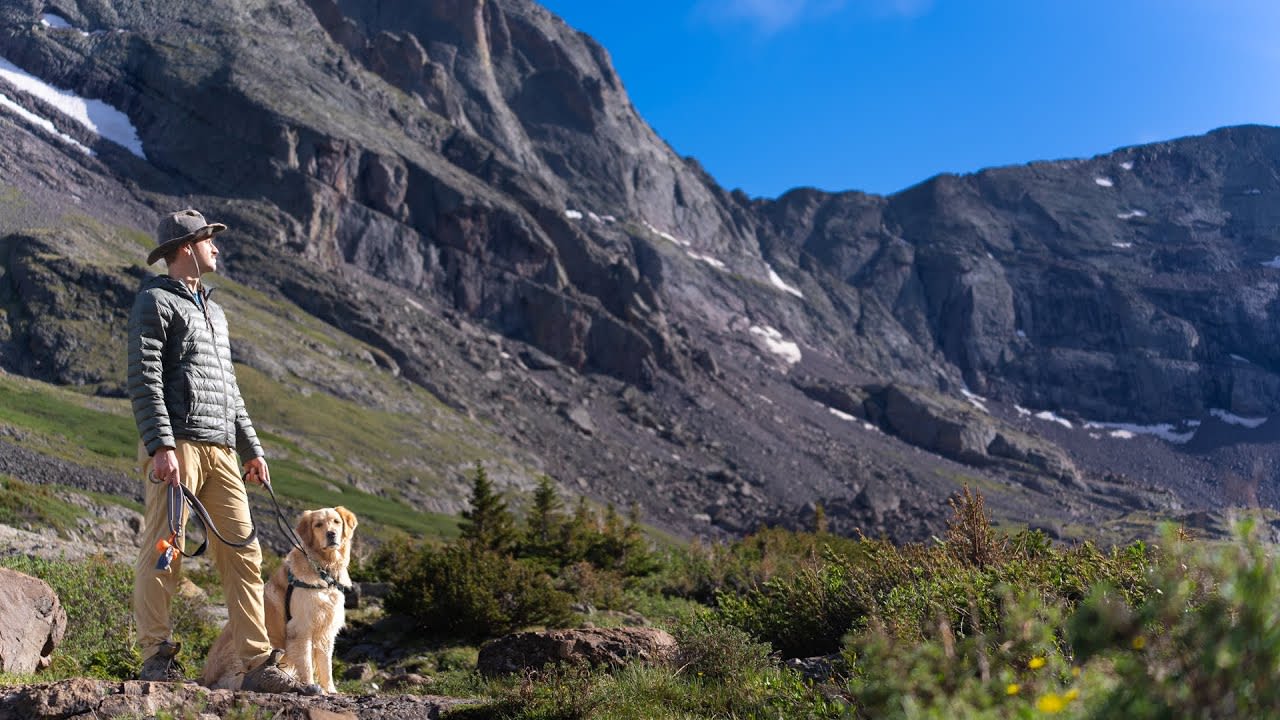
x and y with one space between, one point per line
213 475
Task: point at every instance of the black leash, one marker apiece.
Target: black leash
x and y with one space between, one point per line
281 523
170 547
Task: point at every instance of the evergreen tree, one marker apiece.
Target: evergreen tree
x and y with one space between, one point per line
608 552
488 523
639 558
544 519
819 519
579 534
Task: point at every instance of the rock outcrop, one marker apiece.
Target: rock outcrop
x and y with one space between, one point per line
601 647
32 622
84 697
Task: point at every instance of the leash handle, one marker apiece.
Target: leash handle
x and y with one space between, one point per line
177 495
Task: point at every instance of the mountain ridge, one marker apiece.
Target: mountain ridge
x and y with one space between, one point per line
464 192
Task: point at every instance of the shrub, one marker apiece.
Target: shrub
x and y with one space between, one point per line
1204 643
568 692
97 597
800 616
603 589
712 648
466 591
1006 672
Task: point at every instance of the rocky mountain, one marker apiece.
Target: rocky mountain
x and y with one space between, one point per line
455 202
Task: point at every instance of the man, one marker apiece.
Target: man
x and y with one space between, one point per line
190 415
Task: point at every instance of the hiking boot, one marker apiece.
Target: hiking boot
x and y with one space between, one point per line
269 678
164 665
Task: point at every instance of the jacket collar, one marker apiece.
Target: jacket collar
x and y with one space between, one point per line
177 287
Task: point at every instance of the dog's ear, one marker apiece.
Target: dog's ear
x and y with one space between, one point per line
303 522
348 519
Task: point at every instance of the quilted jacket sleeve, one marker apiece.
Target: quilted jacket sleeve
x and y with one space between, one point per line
247 444
148 329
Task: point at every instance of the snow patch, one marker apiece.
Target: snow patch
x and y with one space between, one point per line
1273 263
42 122
57 22
1238 358
1103 181
1131 214
573 214
1022 411
713 262
1051 417
99 117
1020 333
774 343
1121 245
1126 165
975 399
841 414
1164 431
1230 419
609 218
781 284
1253 191
666 236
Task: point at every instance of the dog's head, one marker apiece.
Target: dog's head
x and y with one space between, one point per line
327 530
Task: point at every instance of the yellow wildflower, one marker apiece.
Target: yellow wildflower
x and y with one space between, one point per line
1075 672
1071 694
1051 703
1035 663
1139 643
1012 689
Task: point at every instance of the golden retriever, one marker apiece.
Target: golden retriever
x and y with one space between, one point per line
305 619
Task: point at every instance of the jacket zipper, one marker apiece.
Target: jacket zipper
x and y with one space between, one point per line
213 335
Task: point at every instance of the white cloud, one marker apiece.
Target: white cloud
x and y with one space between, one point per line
771 16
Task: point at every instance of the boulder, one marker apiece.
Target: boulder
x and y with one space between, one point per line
32 622
600 647
949 427
938 424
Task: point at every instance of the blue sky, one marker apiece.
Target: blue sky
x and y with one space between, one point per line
877 95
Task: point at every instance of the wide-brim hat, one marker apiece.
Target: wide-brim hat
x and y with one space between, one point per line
181 227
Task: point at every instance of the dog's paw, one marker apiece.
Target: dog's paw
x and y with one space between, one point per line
313 689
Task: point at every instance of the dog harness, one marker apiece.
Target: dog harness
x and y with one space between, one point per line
329 581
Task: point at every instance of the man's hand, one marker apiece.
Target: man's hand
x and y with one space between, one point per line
256 470
166 466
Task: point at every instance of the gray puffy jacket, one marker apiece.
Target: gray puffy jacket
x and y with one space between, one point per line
181 379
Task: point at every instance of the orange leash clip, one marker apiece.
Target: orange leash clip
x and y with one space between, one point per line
168 549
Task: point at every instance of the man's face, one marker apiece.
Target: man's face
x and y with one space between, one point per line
206 255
